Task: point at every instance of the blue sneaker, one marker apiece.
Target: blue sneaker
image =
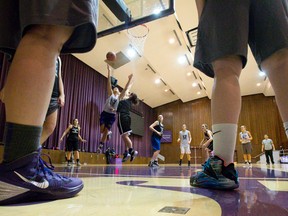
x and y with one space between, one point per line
216 176
30 179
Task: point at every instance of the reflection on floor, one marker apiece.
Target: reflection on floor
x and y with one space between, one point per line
139 190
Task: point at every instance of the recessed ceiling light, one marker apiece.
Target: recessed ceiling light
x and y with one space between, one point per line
131 53
261 73
189 74
194 84
157 81
157 11
166 90
258 84
182 59
198 93
171 40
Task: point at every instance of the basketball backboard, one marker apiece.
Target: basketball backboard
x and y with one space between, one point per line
117 15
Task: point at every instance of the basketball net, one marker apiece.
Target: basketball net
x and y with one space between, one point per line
137 37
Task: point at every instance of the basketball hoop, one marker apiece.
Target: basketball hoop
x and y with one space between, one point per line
137 37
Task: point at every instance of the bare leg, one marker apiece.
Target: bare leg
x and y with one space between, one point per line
49 126
32 74
127 140
155 155
276 68
226 105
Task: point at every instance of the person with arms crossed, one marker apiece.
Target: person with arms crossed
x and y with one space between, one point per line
268 147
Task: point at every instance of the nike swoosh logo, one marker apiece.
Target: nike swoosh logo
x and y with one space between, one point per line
42 185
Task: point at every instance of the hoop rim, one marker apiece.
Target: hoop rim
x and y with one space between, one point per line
143 25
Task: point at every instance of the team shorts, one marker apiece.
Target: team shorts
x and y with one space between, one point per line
72 145
107 119
185 149
227 26
156 142
53 106
18 15
247 148
124 124
210 146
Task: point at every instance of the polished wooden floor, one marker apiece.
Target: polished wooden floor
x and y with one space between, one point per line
128 190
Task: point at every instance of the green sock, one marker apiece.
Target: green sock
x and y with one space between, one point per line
20 140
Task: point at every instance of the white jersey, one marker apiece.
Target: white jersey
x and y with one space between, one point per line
245 137
111 103
184 137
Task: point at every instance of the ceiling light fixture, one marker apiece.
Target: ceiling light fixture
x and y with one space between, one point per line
131 53
261 73
157 81
258 84
194 84
182 59
171 40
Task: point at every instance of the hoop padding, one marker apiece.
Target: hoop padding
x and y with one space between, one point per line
137 37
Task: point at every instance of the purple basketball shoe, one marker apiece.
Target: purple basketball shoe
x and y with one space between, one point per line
30 179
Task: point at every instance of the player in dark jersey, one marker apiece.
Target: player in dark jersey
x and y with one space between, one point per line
124 125
207 142
57 100
157 127
73 131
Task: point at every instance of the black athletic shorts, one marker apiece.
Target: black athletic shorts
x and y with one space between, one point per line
72 145
227 26
124 123
17 15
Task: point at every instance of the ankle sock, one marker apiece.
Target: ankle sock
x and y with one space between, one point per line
224 141
20 140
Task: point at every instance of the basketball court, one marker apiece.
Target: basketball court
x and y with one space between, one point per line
141 190
136 189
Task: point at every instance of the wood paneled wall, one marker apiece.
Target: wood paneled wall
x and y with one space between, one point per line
258 113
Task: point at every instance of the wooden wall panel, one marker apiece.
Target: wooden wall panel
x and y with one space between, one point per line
258 113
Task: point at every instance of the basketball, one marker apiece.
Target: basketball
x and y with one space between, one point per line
111 56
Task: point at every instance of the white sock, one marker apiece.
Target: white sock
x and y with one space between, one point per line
286 128
224 141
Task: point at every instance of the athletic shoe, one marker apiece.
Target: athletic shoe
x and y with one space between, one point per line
134 153
180 163
152 164
250 165
31 179
69 163
109 135
189 164
155 162
246 164
126 156
216 176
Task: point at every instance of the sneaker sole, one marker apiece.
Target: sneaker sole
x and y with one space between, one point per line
212 183
12 194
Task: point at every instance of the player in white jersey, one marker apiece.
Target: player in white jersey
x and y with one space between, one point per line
184 140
